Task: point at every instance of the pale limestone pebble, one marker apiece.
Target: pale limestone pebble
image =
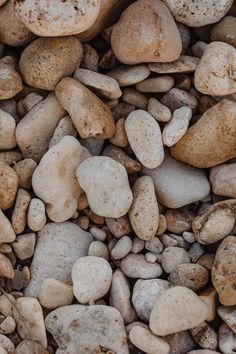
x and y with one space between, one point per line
90 58
98 234
180 342
216 223
144 212
137 37
24 170
10 157
179 220
192 276
34 131
13 32
207 260
129 75
214 74
45 20
91 117
224 271
27 346
208 295
223 180
158 110
91 277
7 130
98 249
146 341
54 180
54 293
178 184
181 242
172 257
198 48
224 31
64 127
120 137
162 225
196 14
132 166
120 296
79 329
8 325
189 236
24 246
154 245
227 340
228 315
58 246
101 84
6 305
144 136
176 310
18 219
29 319
134 98
7 344
36 215
156 84
31 100
137 245
10 82
9 186
121 248
7 233
136 266
206 144
184 64
177 127
2 350
145 294
168 241
177 98
205 336
105 182
150 257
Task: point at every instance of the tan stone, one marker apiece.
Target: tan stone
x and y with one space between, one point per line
36 216
24 246
120 137
224 31
8 186
10 82
18 218
223 180
132 166
193 276
208 295
7 130
54 293
129 75
7 233
24 170
184 64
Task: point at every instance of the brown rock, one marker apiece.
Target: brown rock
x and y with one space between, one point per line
132 166
8 186
179 220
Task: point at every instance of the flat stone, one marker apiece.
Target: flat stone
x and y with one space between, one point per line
184 64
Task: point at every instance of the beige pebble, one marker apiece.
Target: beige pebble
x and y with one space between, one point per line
7 233
7 344
64 127
177 98
129 75
184 64
98 234
7 130
136 266
9 185
18 218
137 245
10 157
36 216
95 119
198 48
150 257
189 236
122 110
121 248
91 278
155 84
54 293
83 222
24 246
98 249
227 339
180 220
119 226
132 166
144 136
162 225
154 246
205 336
144 212
207 143
24 170
120 137
214 74
223 180
228 316
193 276
158 110
177 309
106 185
180 342
5 248
31 100
26 276
155 42
90 58
8 325
135 98
172 257
224 31
208 295
10 82
27 346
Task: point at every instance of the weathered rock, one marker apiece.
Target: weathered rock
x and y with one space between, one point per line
228 315
7 233
132 166
172 257
158 110
29 346
10 82
223 180
36 216
121 248
7 130
24 246
24 170
227 339
177 98
184 64
8 325
136 266
224 31
129 75
64 127
18 218
99 249
180 221
180 342
208 295
8 186
119 227
205 336
54 293
7 344
193 276
155 84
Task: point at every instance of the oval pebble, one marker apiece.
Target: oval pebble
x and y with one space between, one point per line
136 266
121 248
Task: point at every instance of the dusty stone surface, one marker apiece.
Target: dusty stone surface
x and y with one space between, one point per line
158 110
136 266
7 233
121 248
8 186
177 98
132 166
155 84
7 130
36 216
223 180
64 127
99 249
7 344
205 336
129 75
24 245
180 221
6 267
28 346
208 295
54 293
119 226
18 218
228 314
172 257
192 276
180 342
227 339
120 137
24 170
10 82
183 64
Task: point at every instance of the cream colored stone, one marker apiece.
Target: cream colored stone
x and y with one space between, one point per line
6 307
2 350
24 246
136 266
7 233
158 110
24 170
7 131
36 216
6 268
193 276
172 257
184 64
155 84
224 31
223 180
7 344
8 186
198 48
8 325
98 249
10 82
64 127
54 293
121 248
90 58
208 295
205 336
27 346
228 315
120 137
135 98
129 75
18 218
227 339
177 98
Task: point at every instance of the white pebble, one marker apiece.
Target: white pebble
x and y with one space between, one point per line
122 247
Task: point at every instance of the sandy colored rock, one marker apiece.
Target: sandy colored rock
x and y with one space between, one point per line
136 266
206 143
224 270
135 98
224 31
184 64
54 293
6 268
45 20
27 346
214 74
34 131
180 221
10 82
98 249
6 307
129 75
198 48
85 328
24 170
36 216
8 186
208 295
18 218
106 185
228 315
146 32
90 58
205 336
144 212
10 157
8 325
54 180
7 131
121 248
119 226
180 342
223 180
47 60
24 246
64 127
155 84
196 14
7 233
91 117
172 257
177 309
192 276
177 98
132 166
158 110
59 245
120 137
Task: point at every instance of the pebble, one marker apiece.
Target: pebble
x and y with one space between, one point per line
132 166
205 336
158 110
135 98
91 278
184 64
121 248
136 266
7 130
177 127
195 251
167 313
177 98
18 219
64 127
150 257
162 225
10 82
106 185
179 220
24 170
137 245
145 295
27 346
54 180
120 137
223 180
54 293
98 249
218 80
208 295
224 271
189 236
7 233
36 216
119 226
224 31
203 351
206 143
58 246
155 84
10 157
143 339
9 185
172 257
34 131
192 276
24 246
98 234
168 241
40 61
228 315
8 325
28 315
2 351
81 333
227 339
7 344
6 305
144 212
180 342
129 75
90 58
198 48
95 119
154 245
144 136
192 14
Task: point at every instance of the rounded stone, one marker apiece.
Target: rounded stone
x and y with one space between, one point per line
172 257
192 276
8 186
54 293
136 266
223 180
10 82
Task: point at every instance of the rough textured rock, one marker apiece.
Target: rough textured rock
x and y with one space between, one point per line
36 216
228 315
54 293
205 336
129 75
24 170
27 346
227 339
7 234
24 245
18 219
64 127
223 180
193 276
132 166
136 266
224 31
7 130
8 186
10 82
172 257
180 342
